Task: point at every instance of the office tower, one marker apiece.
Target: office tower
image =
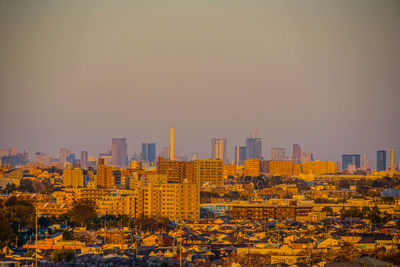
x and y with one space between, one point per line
240 155
253 148
218 149
211 171
149 152
64 153
277 154
353 159
171 144
305 157
92 163
252 167
381 160
119 152
73 177
165 153
84 159
363 163
71 158
296 156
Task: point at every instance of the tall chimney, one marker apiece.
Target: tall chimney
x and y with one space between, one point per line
171 151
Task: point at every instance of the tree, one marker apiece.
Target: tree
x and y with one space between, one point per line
327 209
6 232
82 211
44 222
65 255
26 185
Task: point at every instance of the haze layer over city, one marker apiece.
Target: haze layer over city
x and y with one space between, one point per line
324 74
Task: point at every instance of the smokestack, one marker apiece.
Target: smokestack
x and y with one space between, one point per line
171 155
392 161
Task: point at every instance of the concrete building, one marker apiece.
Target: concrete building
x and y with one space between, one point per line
218 149
353 159
277 154
149 152
119 152
381 160
73 177
253 148
252 167
296 155
240 155
211 171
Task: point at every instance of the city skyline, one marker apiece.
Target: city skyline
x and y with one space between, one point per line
276 154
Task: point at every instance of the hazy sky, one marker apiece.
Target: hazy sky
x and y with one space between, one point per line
323 74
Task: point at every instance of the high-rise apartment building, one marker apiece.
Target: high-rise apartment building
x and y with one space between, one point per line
119 152
381 160
277 154
296 156
73 177
176 171
350 160
253 148
105 177
149 152
218 149
84 159
251 167
319 167
240 155
284 167
211 171
172 200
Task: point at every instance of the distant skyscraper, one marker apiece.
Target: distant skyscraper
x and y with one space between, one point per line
240 155
149 152
218 149
171 143
306 157
165 153
119 152
63 155
253 148
84 159
278 154
296 156
363 164
350 160
381 160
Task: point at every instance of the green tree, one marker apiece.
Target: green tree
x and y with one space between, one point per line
83 211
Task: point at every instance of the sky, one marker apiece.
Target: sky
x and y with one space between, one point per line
323 74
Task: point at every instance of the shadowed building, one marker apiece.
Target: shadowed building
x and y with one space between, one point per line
119 152
381 160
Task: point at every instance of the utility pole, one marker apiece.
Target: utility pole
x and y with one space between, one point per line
36 220
180 246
